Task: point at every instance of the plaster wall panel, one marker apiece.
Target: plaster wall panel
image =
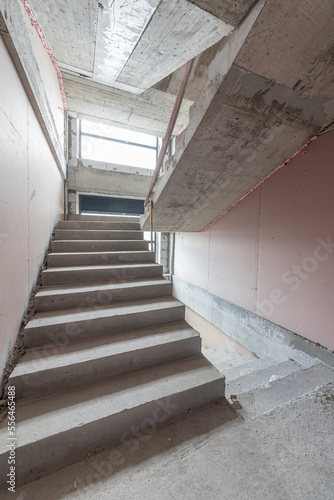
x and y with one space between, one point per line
233 254
45 196
13 216
22 236
192 258
296 279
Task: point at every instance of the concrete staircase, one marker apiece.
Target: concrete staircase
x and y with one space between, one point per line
264 384
107 352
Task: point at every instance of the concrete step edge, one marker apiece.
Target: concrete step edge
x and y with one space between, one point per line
70 367
96 416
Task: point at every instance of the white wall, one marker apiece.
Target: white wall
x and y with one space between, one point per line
31 201
273 253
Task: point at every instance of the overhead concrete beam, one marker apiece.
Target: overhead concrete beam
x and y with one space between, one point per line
231 11
64 24
253 124
149 111
177 32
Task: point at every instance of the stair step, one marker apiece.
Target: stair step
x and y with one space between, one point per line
105 225
93 274
99 234
252 366
96 258
261 378
284 390
219 356
43 370
98 245
235 362
66 297
108 218
65 428
62 326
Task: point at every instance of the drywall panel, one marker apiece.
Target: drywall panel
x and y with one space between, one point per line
31 192
233 254
43 176
296 278
192 258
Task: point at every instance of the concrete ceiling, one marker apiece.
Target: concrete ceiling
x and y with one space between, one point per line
115 53
275 96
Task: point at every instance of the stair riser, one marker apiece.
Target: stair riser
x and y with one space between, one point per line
103 218
101 297
96 275
62 334
128 428
104 225
98 245
46 381
104 259
63 234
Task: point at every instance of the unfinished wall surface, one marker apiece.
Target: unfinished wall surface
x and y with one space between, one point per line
31 201
273 253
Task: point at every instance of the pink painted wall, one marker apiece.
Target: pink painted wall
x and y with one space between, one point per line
31 201
273 253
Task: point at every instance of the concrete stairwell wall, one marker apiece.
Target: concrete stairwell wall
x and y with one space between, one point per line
32 179
266 267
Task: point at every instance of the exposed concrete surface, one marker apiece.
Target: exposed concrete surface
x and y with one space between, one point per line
259 118
283 454
257 334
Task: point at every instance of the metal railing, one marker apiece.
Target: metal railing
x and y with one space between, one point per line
169 131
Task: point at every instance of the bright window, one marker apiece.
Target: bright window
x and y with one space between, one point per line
106 143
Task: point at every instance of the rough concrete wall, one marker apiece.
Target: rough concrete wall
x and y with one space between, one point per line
31 200
273 253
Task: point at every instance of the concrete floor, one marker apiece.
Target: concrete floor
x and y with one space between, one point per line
214 453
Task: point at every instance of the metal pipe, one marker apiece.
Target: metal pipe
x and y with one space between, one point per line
170 129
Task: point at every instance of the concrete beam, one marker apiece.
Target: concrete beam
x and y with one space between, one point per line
149 111
231 11
177 32
253 124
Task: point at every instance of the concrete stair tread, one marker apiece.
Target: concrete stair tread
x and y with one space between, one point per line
284 390
108 396
68 315
235 361
87 350
44 370
116 252
57 429
92 234
93 268
98 224
233 372
49 290
220 356
99 245
103 273
108 218
261 378
57 259
67 325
